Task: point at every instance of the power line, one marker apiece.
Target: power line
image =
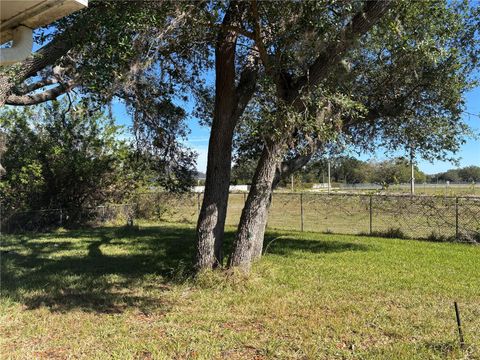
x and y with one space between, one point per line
472 114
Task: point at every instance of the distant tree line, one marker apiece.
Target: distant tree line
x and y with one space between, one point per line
349 170
465 174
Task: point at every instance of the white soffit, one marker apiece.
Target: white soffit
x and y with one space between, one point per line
33 13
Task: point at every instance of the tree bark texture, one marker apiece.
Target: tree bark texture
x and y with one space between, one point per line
254 213
285 169
258 226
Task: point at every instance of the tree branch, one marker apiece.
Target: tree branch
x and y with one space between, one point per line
258 39
47 95
360 24
238 30
47 55
28 88
288 167
247 84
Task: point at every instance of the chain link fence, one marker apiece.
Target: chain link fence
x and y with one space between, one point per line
422 217
441 188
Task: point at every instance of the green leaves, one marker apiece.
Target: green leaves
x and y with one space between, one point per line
61 158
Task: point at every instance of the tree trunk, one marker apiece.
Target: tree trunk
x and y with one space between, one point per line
255 211
230 103
259 231
284 170
211 222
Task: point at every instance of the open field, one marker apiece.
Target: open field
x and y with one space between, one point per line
430 189
124 294
454 189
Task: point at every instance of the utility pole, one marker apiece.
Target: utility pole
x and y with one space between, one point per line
412 168
329 183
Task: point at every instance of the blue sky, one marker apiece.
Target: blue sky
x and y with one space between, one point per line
469 153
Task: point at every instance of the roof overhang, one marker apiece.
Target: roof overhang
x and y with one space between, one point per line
33 14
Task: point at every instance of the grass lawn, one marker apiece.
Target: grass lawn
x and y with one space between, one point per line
111 293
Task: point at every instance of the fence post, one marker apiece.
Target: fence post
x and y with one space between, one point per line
61 217
301 212
459 326
130 214
456 217
371 214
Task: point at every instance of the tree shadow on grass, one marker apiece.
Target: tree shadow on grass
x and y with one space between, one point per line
286 246
102 270
108 270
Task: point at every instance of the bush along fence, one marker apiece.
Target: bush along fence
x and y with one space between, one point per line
50 219
440 218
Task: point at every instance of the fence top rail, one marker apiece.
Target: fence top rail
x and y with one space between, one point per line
336 193
422 196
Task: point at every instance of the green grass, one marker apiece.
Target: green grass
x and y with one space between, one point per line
420 189
111 293
439 189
